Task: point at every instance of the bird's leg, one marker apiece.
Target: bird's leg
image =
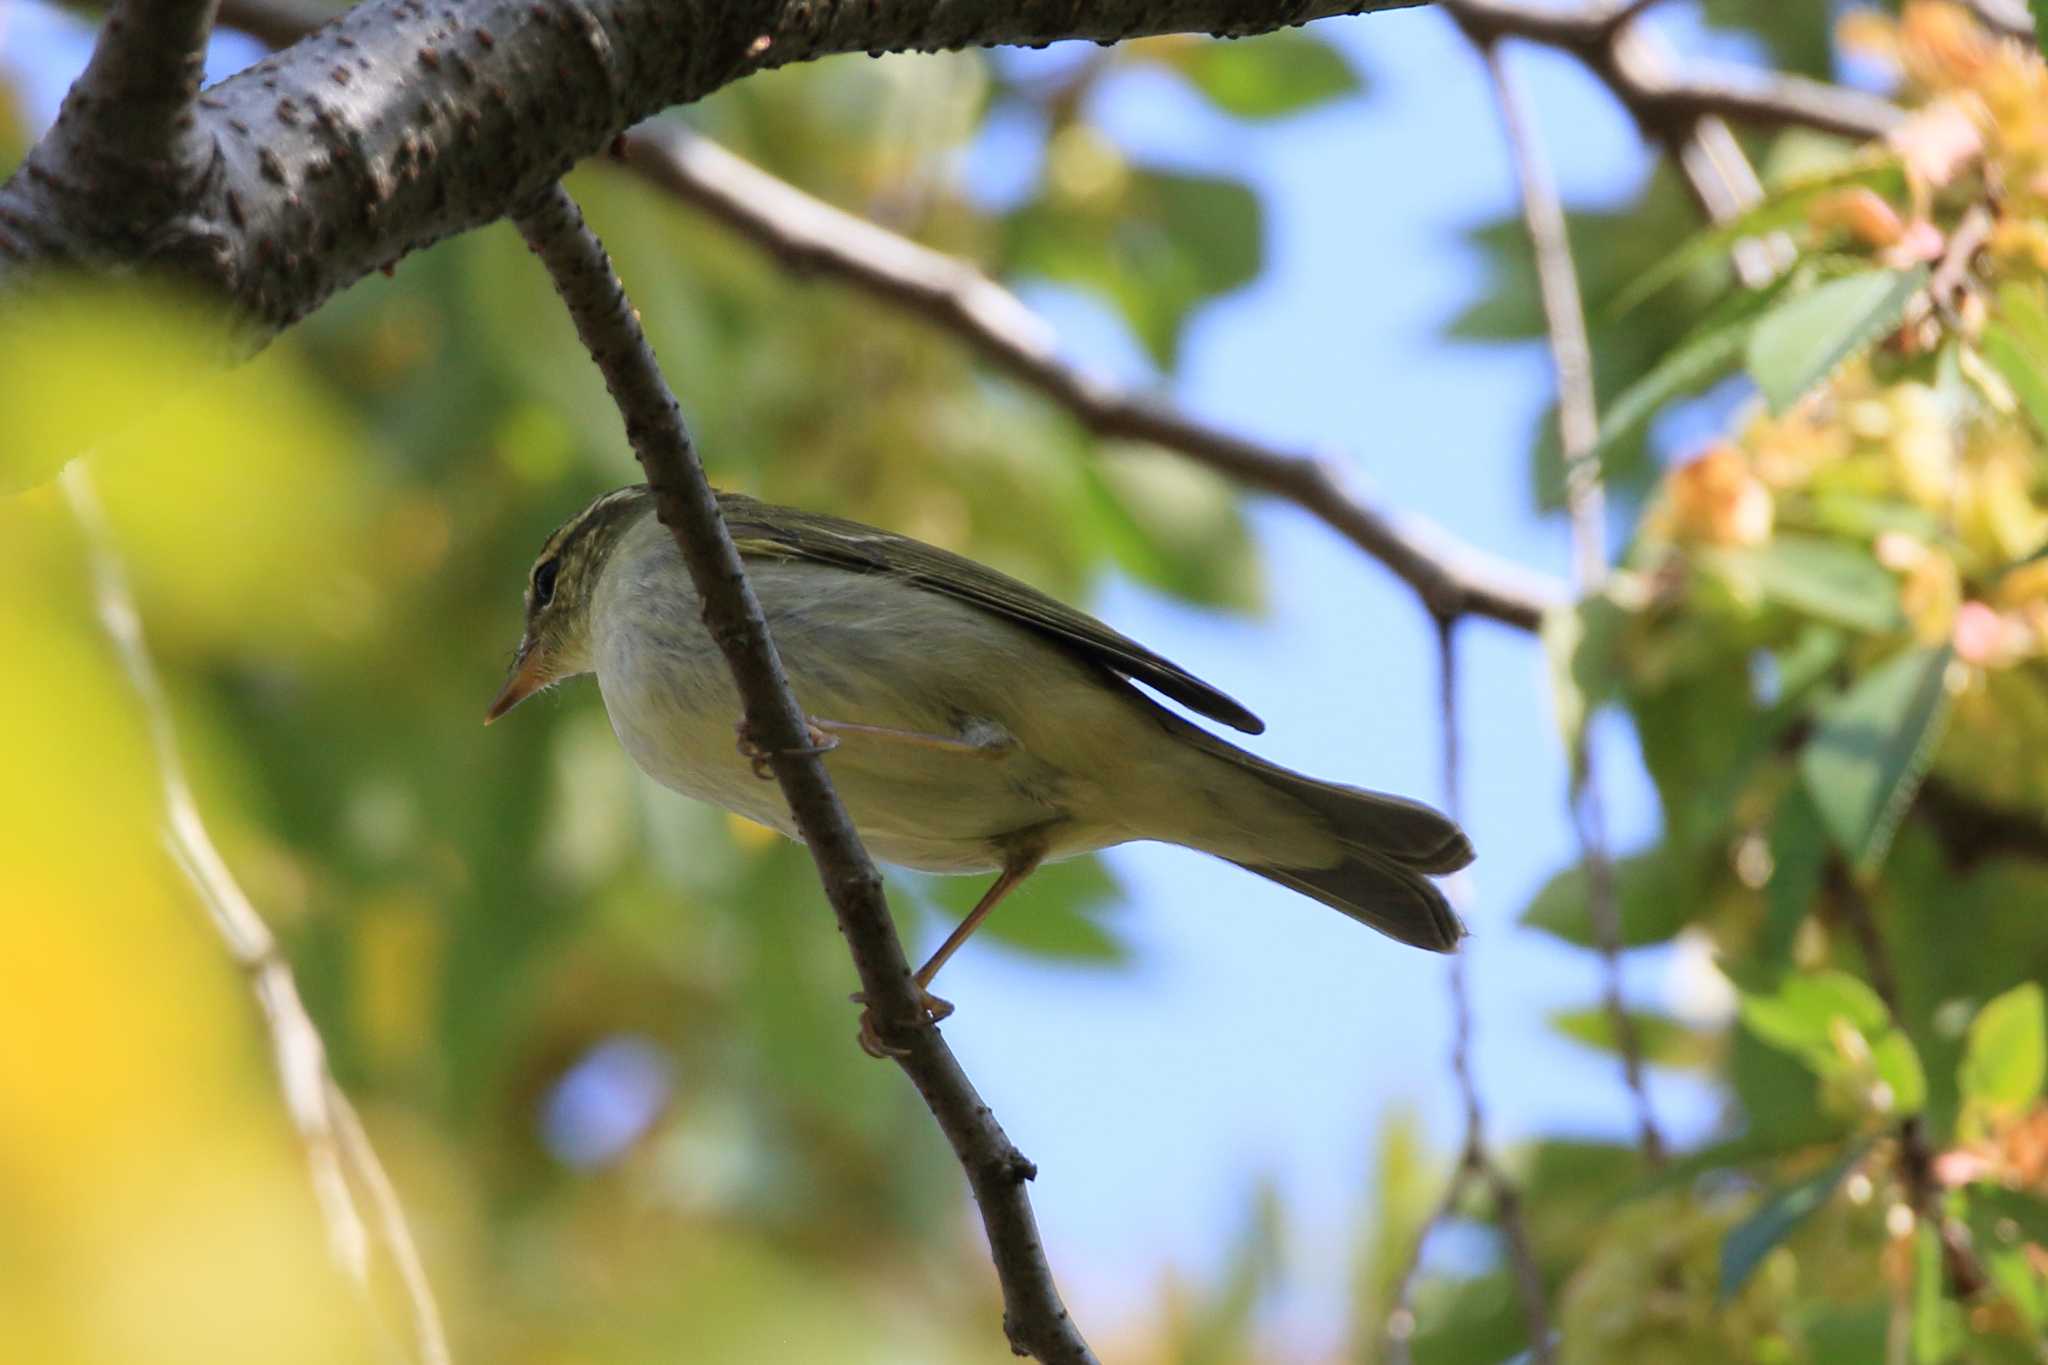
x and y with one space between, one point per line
1014 871
751 750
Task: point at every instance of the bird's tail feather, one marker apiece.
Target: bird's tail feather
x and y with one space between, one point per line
1382 850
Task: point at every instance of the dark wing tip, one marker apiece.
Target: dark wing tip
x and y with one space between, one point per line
1199 697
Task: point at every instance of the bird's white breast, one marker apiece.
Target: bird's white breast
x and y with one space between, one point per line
874 651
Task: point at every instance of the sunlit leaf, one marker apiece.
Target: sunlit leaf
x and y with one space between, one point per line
1870 748
1824 578
1687 369
1655 895
1747 1245
1802 1015
1937 1320
1154 243
2005 1060
58 353
1800 342
2016 342
1661 1039
1785 207
1581 643
1269 76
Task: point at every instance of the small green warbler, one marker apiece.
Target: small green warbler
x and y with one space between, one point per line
975 724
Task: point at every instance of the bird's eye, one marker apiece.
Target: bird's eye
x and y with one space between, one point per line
544 583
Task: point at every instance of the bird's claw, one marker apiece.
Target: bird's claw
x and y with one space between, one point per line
870 1037
758 757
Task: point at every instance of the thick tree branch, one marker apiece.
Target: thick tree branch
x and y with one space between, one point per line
125 154
1578 430
402 122
335 1143
1033 1316
812 237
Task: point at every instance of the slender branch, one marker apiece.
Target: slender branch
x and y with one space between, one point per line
812 237
329 1130
1033 1316
1664 100
1476 1164
1578 429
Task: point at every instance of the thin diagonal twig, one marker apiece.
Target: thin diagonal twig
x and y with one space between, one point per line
811 237
336 1146
1578 430
1476 1163
1033 1316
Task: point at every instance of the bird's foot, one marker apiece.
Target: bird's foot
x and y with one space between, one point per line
871 1039
758 757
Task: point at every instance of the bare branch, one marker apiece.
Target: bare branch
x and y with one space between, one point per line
1665 101
1476 1163
812 237
1033 1316
333 1137
1578 430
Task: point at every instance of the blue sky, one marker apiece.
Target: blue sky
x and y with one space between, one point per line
1259 1036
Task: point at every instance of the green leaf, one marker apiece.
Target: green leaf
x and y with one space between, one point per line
2016 343
1266 77
1799 854
1655 893
1937 1321
1155 247
1750 1241
1687 369
1581 642
1802 1015
1173 525
1800 342
1871 747
1783 209
2005 1060
2027 1212
1831 580
1663 1040
1056 913
1897 1063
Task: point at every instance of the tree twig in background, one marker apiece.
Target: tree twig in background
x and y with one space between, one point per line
1476 1163
335 1143
1033 1316
812 237
1665 99
1578 430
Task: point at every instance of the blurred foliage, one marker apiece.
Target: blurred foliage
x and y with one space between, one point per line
1829 631
600 1033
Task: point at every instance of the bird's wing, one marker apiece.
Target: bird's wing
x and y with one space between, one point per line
791 533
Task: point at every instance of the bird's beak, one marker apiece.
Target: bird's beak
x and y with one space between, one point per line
527 677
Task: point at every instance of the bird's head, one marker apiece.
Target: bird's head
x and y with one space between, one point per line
559 591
